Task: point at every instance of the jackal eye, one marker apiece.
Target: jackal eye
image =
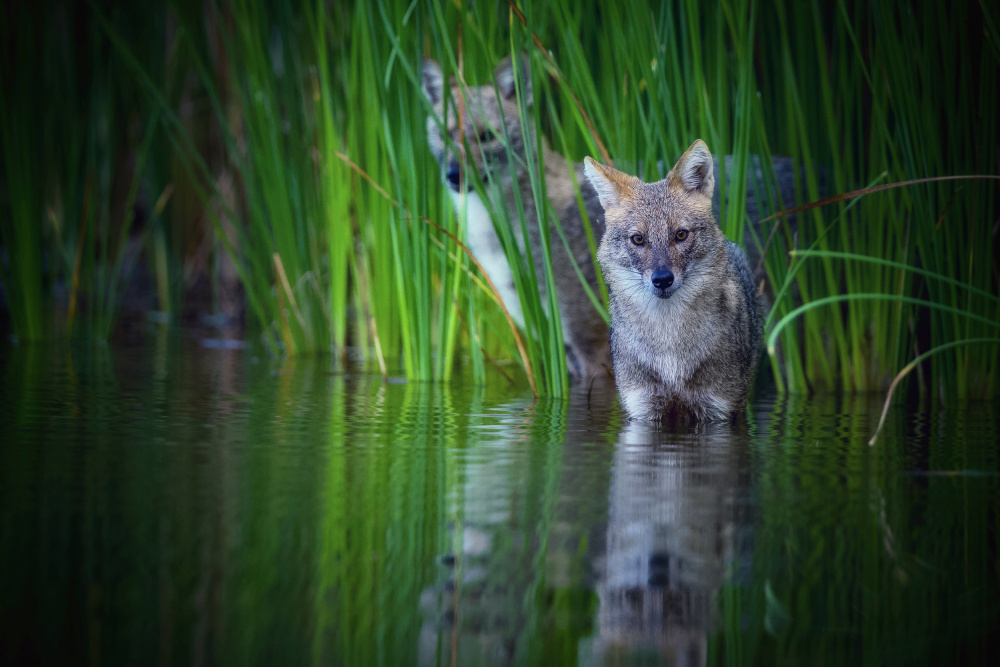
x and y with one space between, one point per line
486 135
638 239
681 234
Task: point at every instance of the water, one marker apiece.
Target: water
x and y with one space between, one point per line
181 505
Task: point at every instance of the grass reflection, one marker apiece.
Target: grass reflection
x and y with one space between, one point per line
859 556
184 505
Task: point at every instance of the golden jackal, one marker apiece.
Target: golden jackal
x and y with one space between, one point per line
493 134
685 329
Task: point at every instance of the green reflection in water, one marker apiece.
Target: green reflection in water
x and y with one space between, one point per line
176 505
884 555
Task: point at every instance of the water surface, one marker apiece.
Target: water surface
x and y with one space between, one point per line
174 504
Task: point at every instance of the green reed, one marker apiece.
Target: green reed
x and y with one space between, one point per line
79 144
411 314
271 142
307 161
20 232
923 122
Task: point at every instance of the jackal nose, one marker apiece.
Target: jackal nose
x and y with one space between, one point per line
453 175
662 278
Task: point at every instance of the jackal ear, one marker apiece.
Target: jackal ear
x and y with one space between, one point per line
432 80
504 75
693 172
612 186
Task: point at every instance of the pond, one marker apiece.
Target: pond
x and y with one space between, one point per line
175 504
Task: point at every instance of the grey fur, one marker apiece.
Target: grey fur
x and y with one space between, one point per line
687 347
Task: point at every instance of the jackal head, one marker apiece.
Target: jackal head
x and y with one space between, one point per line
490 123
660 236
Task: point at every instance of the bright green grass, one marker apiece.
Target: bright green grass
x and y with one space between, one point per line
321 125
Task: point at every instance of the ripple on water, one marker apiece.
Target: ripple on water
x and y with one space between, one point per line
162 498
